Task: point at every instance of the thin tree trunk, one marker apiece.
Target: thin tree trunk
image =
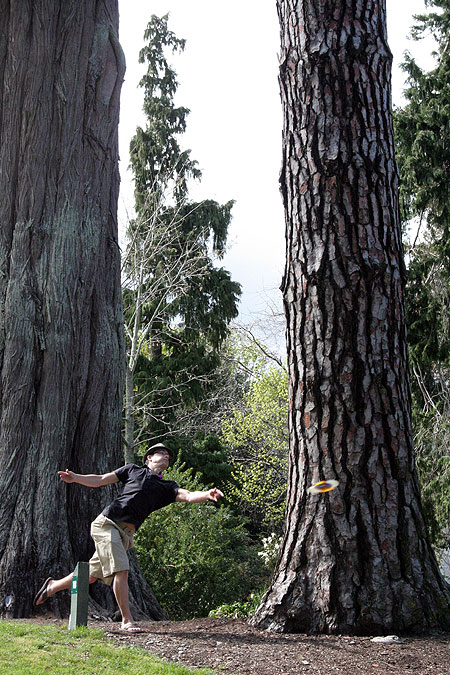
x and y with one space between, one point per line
356 560
129 415
61 341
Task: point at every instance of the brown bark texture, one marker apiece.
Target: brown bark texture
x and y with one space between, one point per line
358 559
61 330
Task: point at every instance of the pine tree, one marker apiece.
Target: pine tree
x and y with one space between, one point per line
358 560
186 312
422 130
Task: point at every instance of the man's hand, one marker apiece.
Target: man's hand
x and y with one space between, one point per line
214 494
67 476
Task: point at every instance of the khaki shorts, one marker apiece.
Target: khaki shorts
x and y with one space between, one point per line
111 545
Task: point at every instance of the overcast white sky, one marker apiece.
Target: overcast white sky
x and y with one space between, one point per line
228 78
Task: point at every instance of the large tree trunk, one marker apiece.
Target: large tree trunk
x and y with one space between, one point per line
61 341
358 559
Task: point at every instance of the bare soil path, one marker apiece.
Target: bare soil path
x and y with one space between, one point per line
233 647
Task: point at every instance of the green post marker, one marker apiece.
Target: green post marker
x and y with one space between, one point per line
79 596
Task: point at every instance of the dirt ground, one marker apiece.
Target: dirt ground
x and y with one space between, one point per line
232 646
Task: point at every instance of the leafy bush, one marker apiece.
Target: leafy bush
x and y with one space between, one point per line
271 546
196 556
238 610
268 555
257 436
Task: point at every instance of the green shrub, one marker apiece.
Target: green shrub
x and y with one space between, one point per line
258 440
238 610
196 556
270 548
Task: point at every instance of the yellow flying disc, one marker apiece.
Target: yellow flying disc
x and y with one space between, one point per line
323 486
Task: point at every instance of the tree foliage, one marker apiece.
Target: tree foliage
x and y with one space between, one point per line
185 321
423 153
208 456
257 437
422 130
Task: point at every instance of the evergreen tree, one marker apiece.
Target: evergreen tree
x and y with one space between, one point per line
422 131
185 313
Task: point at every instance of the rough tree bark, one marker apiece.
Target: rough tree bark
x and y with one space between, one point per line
61 341
356 560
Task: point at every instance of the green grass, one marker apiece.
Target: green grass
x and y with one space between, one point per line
27 649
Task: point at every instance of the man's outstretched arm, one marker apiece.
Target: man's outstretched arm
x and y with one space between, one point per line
198 497
89 480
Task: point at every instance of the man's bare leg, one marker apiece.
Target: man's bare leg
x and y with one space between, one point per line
121 591
57 585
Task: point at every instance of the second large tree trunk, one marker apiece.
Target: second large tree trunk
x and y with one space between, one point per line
61 341
358 559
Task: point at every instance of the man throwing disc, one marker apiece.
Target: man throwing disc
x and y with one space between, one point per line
144 491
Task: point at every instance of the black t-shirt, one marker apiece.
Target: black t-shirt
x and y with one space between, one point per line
143 492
